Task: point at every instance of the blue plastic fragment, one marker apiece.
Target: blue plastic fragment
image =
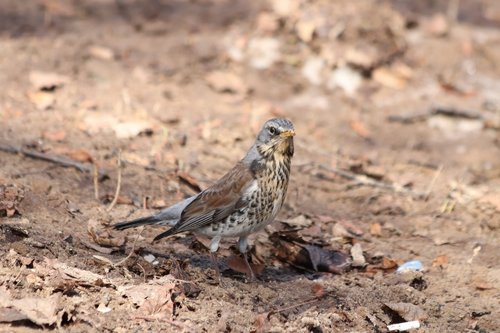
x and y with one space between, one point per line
414 265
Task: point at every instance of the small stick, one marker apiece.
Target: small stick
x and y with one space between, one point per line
316 299
118 183
364 180
408 118
433 182
131 251
57 159
143 271
96 181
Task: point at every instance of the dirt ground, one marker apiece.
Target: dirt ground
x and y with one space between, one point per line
396 106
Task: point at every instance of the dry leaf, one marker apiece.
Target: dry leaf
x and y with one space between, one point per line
226 82
298 221
101 236
375 229
189 180
79 154
437 25
390 78
54 135
47 80
130 129
360 129
305 30
358 259
260 322
295 251
267 22
387 265
40 311
101 52
365 57
492 199
407 311
10 197
121 200
440 261
237 263
154 298
318 290
262 53
42 100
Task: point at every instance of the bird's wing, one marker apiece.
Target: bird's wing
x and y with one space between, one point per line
218 201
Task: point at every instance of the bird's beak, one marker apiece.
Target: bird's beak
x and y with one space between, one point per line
287 133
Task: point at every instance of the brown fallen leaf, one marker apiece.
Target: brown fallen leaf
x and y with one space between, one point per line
300 221
101 236
10 197
440 261
267 23
365 56
101 52
387 265
436 25
189 180
408 311
375 229
305 30
130 129
188 288
54 135
40 311
80 155
226 82
260 322
153 298
121 200
11 315
360 129
492 199
318 290
292 249
47 80
358 259
389 77
237 263
42 100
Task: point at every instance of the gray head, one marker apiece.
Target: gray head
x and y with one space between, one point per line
276 137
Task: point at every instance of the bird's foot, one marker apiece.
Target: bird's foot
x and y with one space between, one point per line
250 274
215 265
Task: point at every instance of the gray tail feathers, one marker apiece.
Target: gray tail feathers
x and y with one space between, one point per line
170 232
153 219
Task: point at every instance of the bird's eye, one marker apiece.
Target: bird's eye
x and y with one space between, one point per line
273 130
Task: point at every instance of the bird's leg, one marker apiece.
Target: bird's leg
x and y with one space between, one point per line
243 245
215 264
214 246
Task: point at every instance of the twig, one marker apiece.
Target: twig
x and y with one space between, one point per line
143 271
433 182
96 181
315 299
57 159
118 182
364 180
408 118
131 251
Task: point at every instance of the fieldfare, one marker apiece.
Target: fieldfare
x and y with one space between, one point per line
243 201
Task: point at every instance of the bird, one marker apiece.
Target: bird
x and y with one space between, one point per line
245 200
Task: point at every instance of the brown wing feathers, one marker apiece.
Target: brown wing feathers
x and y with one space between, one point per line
215 203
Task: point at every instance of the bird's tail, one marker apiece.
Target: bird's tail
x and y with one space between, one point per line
152 219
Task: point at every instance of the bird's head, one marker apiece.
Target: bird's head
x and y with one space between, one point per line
276 137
